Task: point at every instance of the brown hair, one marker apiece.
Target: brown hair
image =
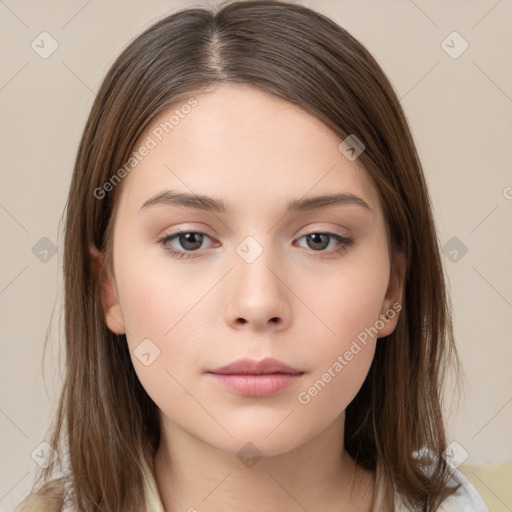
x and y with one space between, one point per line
107 423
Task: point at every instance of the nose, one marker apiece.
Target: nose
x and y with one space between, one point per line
257 295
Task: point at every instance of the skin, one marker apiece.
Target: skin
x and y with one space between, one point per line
256 152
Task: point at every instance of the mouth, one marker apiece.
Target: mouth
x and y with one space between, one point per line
266 366
251 378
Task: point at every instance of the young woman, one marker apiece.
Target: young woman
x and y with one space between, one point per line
255 310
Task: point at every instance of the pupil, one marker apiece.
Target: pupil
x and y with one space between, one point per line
316 237
189 238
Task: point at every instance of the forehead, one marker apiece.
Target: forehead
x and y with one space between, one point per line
246 146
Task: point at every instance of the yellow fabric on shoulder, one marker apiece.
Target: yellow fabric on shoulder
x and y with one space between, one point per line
493 482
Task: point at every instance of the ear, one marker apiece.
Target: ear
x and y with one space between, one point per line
392 304
109 300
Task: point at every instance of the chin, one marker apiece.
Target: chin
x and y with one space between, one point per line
256 440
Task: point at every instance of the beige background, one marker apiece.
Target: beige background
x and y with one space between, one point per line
460 112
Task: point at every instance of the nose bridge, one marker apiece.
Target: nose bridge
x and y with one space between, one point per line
257 293
256 258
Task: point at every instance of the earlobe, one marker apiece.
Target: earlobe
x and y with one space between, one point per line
394 296
109 300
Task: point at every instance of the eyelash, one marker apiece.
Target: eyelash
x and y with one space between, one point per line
344 242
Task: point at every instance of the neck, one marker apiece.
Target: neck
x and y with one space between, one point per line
316 475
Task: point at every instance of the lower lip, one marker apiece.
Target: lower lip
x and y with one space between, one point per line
257 385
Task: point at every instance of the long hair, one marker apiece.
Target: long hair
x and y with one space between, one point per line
106 424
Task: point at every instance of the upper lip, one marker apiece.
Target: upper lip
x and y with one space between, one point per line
251 367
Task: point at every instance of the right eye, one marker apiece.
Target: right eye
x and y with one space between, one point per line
191 241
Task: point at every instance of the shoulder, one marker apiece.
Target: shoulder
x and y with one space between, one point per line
465 498
53 496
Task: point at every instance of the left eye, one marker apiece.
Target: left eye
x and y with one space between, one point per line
319 239
191 242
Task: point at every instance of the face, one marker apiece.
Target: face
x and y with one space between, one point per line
250 278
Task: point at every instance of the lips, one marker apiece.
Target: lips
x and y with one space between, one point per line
266 366
256 379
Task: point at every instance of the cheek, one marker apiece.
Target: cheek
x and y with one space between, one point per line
164 309
342 347
330 390
158 298
339 362
345 305
161 330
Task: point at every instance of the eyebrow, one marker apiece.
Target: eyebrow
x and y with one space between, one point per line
209 204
